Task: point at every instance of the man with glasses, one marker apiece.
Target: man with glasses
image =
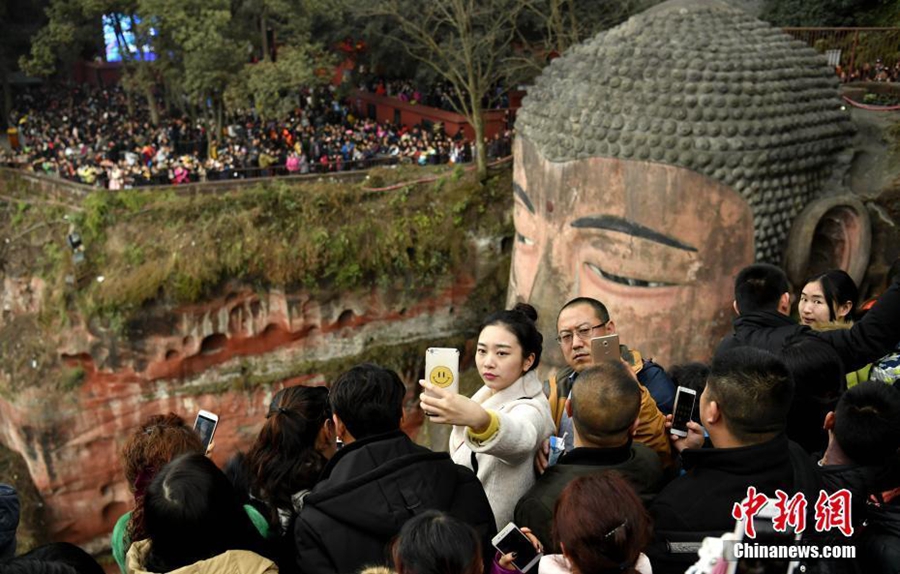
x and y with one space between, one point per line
580 320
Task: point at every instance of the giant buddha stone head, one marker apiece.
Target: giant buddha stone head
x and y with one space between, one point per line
660 157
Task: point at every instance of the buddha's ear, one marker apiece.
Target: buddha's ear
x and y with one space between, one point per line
830 233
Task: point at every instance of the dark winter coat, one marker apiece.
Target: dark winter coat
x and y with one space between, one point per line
638 464
870 338
9 520
369 490
699 503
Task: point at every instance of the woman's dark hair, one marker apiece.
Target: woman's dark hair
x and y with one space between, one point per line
436 543
819 381
192 513
241 480
602 524
838 288
53 558
284 459
520 321
156 442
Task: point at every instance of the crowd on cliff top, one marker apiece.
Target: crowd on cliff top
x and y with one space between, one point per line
96 138
440 95
868 72
591 464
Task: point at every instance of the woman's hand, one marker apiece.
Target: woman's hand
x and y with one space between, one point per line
506 561
451 408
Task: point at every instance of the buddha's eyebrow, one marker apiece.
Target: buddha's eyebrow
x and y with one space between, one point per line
613 223
520 193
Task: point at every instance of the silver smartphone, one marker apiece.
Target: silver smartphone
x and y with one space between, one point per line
605 348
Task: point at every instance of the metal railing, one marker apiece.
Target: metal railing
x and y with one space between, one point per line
244 173
852 48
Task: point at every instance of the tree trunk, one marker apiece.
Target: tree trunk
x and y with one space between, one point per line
129 103
210 130
556 24
480 149
220 114
167 98
263 18
124 54
7 99
151 102
574 35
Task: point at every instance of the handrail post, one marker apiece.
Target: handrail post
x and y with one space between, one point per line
853 49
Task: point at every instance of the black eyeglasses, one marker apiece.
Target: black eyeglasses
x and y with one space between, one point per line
584 333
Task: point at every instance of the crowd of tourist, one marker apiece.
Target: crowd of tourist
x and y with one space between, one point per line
439 94
590 464
97 138
868 72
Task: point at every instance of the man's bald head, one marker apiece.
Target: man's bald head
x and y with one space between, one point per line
606 401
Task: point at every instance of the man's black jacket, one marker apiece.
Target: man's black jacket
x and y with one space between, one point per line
369 490
9 520
638 464
699 503
868 340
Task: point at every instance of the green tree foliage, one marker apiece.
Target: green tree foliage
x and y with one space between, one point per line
65 32
73 25
465 42
206 51
19 20
814 13
548 26
273 86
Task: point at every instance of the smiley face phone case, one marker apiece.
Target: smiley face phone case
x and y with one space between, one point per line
442 368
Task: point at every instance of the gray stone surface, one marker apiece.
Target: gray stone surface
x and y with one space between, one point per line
703 85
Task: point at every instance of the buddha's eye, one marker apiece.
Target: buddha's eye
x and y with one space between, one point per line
631 282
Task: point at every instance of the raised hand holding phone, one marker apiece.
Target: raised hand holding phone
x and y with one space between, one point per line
682 411
205 424
446 407
696 436
519 548
605 348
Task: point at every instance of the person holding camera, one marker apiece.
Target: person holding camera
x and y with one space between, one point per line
497 432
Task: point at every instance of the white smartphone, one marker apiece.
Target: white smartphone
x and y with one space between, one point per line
682 410
205 425
511 539
442 368
605 348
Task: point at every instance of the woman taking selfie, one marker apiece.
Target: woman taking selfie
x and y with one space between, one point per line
497 432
